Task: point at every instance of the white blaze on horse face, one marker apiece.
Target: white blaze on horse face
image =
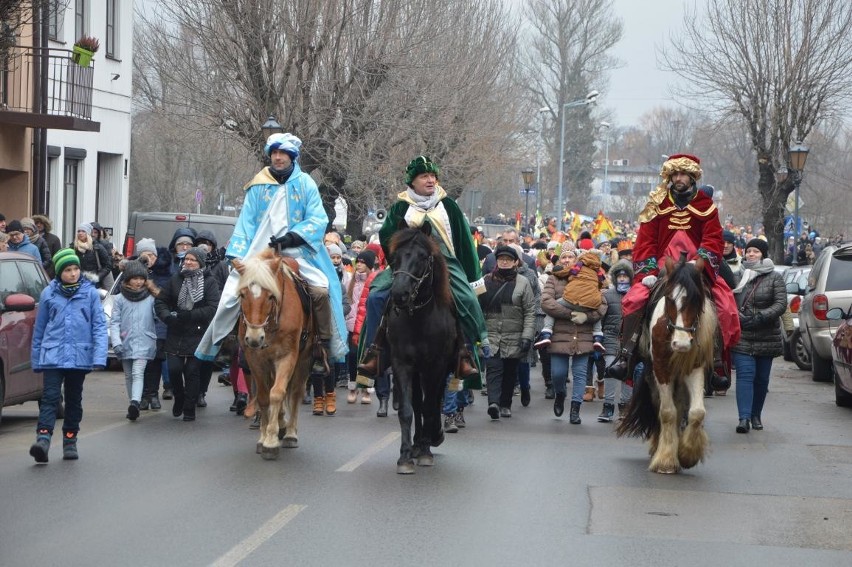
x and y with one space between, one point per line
255 290
681 340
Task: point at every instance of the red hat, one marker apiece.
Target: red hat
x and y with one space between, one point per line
687 156
586 243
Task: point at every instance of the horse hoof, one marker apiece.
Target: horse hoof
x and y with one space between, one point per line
269 453
405 468
425 461
290 443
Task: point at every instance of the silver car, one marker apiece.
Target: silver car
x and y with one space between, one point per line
794 347
829 285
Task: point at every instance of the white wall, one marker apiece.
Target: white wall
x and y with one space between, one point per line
102 196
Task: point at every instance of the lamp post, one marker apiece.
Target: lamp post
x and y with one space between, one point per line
527 174
271 126
797 155
541 112
605 188
590 99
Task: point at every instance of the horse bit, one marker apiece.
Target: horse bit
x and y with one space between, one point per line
418 281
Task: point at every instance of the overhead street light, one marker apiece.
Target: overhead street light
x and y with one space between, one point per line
797 155
527 175
590 99
541 111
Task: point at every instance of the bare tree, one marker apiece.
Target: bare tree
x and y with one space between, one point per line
568 56
779 66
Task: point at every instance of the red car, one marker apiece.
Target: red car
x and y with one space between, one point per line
841 354
21 281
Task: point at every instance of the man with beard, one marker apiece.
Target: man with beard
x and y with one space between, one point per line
677 218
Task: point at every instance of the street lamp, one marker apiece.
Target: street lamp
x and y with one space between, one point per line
527 174
541 112
605 188
271 126
797 155
590 99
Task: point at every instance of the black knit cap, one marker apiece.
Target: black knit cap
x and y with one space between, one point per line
729 236
368 257
135 269
761 245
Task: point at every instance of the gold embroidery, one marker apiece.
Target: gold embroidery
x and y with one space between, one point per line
678 227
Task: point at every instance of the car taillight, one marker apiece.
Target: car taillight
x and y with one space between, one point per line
129 246
795 304
820 306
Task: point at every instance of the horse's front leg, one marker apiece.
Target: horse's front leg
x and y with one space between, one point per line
694 440
283 371
293 400
261 403
664 459
405 463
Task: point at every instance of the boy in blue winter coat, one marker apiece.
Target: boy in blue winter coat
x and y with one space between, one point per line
69 341
132 331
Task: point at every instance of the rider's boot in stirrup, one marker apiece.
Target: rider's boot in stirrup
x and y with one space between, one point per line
623 363
466 366
371 361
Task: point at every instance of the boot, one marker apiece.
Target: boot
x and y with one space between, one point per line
167 393
549 394
255 423
155 402
466 367
145 403
600 389
39 449
622 409
133 411
240 403
574 416
589 395
559 405
371 361
69 446
621 367
330 403
606 413
383 408
319 405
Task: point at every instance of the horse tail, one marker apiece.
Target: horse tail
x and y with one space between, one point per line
640 419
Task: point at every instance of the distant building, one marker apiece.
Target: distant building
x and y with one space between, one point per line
626 187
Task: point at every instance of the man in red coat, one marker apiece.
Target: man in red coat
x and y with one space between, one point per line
677 218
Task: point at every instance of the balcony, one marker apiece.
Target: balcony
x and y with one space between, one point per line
64 101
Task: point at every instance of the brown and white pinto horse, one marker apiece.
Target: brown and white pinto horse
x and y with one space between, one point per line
276 334
678 342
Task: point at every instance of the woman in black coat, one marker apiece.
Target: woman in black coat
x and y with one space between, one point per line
187 305
761 299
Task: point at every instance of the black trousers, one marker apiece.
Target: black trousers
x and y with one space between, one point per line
185 377
500 377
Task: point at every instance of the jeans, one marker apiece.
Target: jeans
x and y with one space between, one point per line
376 302
73 399
185 374
134 377
500 377
454 401
611 384
559 374
383 384
752 383
524 374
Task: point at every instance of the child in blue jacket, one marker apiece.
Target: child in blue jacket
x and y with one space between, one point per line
69 340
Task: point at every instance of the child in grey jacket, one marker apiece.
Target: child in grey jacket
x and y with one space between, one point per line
132 331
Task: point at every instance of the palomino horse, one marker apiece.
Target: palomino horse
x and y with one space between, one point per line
276 336
679 343
422 338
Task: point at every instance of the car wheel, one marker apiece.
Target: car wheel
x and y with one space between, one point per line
799 351
821 370
841 397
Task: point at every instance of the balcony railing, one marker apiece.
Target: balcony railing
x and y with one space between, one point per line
67 93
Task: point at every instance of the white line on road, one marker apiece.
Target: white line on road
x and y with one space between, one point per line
261 535
369 452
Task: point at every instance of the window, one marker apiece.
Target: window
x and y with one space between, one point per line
32 279
112 28
69 209
81 27
54 19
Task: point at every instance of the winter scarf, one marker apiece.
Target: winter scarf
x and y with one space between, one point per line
69 289
134 295
753 270
83 246
495 293
191 289
282 175
682 199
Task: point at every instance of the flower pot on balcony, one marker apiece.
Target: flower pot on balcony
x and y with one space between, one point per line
81 56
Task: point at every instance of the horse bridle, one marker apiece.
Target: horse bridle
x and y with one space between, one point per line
272 313
411 307
670 325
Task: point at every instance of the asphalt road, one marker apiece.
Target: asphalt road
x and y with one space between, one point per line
531 490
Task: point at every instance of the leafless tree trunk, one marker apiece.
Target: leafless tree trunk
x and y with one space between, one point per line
780 66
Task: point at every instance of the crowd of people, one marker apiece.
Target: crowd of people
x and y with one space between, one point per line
562 299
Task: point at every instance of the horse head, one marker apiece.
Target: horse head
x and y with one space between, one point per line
418 267
260 293
684 301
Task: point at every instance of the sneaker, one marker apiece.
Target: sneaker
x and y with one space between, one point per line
599 347
505 412
352 397
494 411
543 340
167 394
145 404
365 396
549 394
343 383
517 391
155 402
450 424
484 391
460 420
202 401
224 379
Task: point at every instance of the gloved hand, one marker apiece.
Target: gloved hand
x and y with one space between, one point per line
486 351
184 316
649 281
579 317
286 241
171 319
525 345
759 319
746 321
118 350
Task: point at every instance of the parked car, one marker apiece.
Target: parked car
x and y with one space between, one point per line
829 285
22 279
794 347
841 354
107 301
162 226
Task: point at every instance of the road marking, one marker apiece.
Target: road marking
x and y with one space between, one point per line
259 537
364 455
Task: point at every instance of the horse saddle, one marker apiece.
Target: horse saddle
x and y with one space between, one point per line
304 295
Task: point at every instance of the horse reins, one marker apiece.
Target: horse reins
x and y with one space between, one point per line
411 307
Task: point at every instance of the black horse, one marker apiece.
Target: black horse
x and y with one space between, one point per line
422 338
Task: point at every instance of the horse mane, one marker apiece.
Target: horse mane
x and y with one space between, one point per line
441 277
688 277
258 270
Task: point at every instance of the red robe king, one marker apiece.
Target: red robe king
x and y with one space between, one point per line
667 230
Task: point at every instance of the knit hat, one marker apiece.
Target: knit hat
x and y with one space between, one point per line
760 245
368 257
586 244
420 164
334 250
506 251
146 245
29 223
14 226
729 236
135 269
64 258
199 254
183 240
